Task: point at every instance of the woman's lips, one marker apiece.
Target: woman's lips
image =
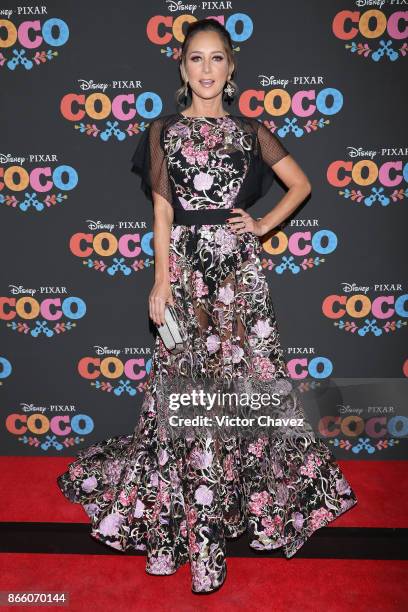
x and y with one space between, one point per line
206 82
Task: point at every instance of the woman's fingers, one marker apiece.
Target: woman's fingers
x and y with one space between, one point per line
155 310
157 306
160 306
240 216
240 225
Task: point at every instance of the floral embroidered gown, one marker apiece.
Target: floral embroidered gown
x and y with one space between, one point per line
178 498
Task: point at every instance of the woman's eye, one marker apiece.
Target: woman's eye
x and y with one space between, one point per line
216 57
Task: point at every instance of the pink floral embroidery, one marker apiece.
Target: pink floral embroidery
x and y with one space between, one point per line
319 517
203 181
199 287
213 343
264 367
204 495
258 502
309 469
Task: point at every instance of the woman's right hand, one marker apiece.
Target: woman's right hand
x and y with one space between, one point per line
159 296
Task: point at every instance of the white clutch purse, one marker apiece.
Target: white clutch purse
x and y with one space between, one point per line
172 332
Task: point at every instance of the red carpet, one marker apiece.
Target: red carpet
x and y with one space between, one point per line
115 582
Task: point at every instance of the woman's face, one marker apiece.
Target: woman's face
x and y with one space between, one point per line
206 64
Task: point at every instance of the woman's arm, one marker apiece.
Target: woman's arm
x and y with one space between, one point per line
289 171
299 188
161 291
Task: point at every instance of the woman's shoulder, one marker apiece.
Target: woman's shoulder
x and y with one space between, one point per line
158 126
165 119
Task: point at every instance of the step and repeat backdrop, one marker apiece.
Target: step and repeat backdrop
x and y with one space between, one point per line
79 84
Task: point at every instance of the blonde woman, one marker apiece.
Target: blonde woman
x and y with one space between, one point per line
178 494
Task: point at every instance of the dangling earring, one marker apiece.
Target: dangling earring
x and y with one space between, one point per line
185 90
229 89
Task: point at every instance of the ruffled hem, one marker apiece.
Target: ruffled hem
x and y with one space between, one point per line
160 565
288 549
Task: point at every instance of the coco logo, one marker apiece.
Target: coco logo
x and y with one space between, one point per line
167 30
372 33
368 182
309 109
303 363
117 371
5 369
114 249
56 431
41 316
110 109
299 251
358 434
20 42
379 314
38 189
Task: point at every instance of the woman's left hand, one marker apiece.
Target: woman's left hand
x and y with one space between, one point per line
244 223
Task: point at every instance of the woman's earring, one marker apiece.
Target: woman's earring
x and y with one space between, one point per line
229 89
185 89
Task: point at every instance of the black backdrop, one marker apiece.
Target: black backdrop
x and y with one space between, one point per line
109 49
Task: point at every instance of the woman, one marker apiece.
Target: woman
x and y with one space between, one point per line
179 493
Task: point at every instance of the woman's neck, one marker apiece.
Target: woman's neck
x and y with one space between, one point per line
193 111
